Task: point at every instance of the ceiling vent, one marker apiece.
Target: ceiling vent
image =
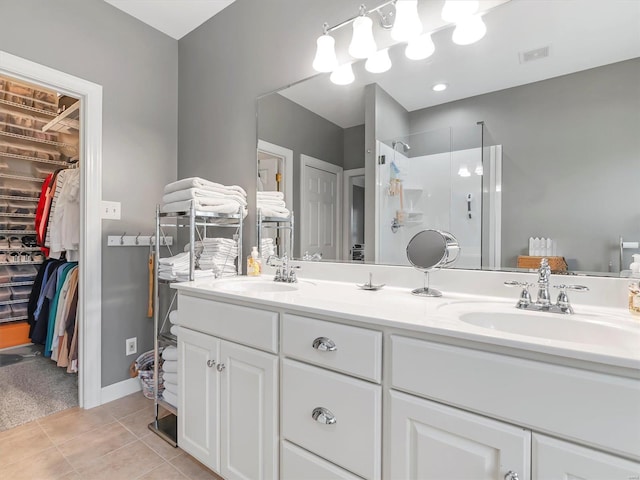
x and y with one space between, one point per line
536 54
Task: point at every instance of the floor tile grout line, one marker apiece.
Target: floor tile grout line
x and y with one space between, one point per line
57 449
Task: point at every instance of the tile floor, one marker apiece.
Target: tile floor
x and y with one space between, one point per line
108 442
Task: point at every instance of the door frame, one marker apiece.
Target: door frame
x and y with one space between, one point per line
287 154
346 210
308 161
90 273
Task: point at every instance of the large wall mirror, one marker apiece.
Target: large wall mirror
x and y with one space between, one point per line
537 135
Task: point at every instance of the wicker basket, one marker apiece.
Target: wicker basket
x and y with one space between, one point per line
148 385
557 264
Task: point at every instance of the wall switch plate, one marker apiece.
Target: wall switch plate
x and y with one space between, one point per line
110 210
132 345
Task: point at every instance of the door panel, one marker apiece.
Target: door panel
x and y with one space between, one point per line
320 212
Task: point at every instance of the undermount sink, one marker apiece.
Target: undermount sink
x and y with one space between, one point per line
248 285
585 328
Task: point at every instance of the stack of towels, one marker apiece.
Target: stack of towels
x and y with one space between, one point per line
205 196
170 375
216 255
267 248
271 204
177 268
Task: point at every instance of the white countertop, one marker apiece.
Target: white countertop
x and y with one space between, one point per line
396 307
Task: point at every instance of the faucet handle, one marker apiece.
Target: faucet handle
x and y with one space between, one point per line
573 288
525 297
514 283
563 298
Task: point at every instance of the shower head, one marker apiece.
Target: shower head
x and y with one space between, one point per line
405 146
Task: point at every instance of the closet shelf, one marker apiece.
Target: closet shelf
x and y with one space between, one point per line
28 108
18 197
13 319
14 302
35 159
17 232
18 215
67 122
33 139
16 284
19 177
20 263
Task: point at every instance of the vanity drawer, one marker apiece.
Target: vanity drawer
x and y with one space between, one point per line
576 404
248 326
298 464
358 351
354 440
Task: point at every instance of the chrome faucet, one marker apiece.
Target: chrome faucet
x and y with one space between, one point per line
543 300
284 272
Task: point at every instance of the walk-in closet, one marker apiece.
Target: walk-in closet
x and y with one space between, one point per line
39 246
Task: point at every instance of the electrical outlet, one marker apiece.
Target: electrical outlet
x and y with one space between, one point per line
110 210
132 345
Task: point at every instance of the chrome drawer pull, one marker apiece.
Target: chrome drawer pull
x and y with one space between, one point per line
324 344
211 363
322 415
511 475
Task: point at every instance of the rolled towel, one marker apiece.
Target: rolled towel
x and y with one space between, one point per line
170 353
171 387
170 398
170 366
174 330
173 317
170 377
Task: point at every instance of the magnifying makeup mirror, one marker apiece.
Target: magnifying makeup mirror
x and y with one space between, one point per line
431 250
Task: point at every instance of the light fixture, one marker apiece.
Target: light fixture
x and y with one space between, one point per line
456 10
325 59
463 171
343 75
378 62
362 43
439 87
469 30
407 24
479 170
420 47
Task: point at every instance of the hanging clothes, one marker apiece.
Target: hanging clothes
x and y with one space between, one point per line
53 293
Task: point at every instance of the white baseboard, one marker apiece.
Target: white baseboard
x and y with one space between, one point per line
119 390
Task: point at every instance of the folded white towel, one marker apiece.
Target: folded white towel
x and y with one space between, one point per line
170 353
175 260
184 206
174 330
170 366
197 182
170 398
270 194
209 197
271 211
170 387
173 317
170 377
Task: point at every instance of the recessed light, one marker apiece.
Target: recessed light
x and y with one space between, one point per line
439 87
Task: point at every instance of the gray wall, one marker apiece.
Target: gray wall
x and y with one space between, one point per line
250 48
137 67
354 147
302 131
570 160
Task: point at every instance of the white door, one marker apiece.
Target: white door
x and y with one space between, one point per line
198 402
249 409
430 441
557 459
320 219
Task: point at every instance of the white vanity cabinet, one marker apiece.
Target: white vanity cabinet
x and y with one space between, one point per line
228 391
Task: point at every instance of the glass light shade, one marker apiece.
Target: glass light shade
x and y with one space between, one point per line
457 10
378 62
343 75
362 43
463 171
469 31
439 87
325 59
420 47
407 24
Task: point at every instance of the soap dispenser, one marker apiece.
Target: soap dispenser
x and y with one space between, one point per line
635 265
254 264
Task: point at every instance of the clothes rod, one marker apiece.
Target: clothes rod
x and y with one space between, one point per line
136 241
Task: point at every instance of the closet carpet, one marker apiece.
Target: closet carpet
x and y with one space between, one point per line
33 387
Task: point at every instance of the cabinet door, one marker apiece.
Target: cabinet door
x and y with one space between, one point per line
431 441
248 407
198 402
563 460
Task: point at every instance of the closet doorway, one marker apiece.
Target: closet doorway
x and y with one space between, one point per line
90 179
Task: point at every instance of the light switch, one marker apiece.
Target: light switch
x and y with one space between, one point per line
110 210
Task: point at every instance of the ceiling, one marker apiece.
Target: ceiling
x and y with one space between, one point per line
580 34
176 18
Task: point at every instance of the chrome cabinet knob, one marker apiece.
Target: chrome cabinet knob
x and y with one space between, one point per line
323 415
220 367
211 363
511 475
324 344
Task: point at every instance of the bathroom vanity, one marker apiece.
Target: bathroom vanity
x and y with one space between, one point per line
321 380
